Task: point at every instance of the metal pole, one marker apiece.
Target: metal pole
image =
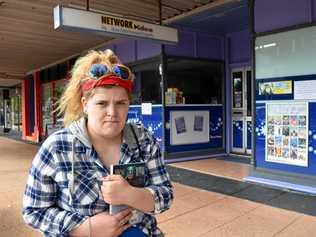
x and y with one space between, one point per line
163 85
253 80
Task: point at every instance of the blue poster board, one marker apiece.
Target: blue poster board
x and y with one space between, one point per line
261 140
152 122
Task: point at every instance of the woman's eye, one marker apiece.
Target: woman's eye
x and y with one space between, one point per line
101 103
122 103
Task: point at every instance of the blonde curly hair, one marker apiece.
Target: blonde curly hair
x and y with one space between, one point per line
69 104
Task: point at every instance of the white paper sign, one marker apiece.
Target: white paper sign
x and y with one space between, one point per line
147 108
305 90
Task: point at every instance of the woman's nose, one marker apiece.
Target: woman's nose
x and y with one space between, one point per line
111 111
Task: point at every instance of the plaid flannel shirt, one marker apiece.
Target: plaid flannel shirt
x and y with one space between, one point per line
50 206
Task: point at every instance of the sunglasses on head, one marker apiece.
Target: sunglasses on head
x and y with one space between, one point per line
98 70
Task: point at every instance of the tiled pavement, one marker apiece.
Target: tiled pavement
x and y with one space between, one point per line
219 207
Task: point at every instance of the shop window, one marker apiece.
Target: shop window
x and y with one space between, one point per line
290 53
146 87
59 90
194 81
47 106
16 109
52 92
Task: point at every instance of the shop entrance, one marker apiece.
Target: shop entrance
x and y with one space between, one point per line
10 110
241 111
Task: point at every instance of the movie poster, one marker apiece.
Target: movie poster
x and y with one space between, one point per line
287 133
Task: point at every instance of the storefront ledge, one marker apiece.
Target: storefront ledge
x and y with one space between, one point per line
31 139
282 185
193 155
192 158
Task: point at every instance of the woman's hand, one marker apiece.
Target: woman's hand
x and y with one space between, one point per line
115 190
105 225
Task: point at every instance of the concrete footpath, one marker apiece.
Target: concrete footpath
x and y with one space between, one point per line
195 212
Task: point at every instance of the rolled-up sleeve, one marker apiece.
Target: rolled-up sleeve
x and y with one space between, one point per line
160 185
39 201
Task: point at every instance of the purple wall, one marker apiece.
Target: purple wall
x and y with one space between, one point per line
185 46
199 45
209 46
126 50
129 50
238 47
272 14
191 44
147 49
314 10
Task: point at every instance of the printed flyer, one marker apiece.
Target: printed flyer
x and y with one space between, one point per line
287 133
275 88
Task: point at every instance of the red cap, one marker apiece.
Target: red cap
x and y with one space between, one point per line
107 80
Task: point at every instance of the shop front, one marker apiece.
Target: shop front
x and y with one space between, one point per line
285 85
51 92
193 109
182 92
10 110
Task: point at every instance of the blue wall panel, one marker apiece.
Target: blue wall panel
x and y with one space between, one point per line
152 122
260 143
238 134
249 134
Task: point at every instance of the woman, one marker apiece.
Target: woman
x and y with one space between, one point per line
69 188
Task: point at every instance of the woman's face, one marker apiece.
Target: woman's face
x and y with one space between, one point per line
107 111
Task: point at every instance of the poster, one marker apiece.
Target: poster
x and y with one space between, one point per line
189 127
275 88
287 133
180 125
198 123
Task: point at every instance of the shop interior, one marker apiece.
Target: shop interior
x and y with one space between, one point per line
188 81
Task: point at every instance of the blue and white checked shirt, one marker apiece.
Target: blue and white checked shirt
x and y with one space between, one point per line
55 204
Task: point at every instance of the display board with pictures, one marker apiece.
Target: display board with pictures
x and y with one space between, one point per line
287 133
189 127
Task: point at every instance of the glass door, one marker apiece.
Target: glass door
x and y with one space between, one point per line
241 111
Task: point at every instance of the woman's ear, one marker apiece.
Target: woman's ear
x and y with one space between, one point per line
84 104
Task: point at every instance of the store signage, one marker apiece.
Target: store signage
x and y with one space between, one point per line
70 19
